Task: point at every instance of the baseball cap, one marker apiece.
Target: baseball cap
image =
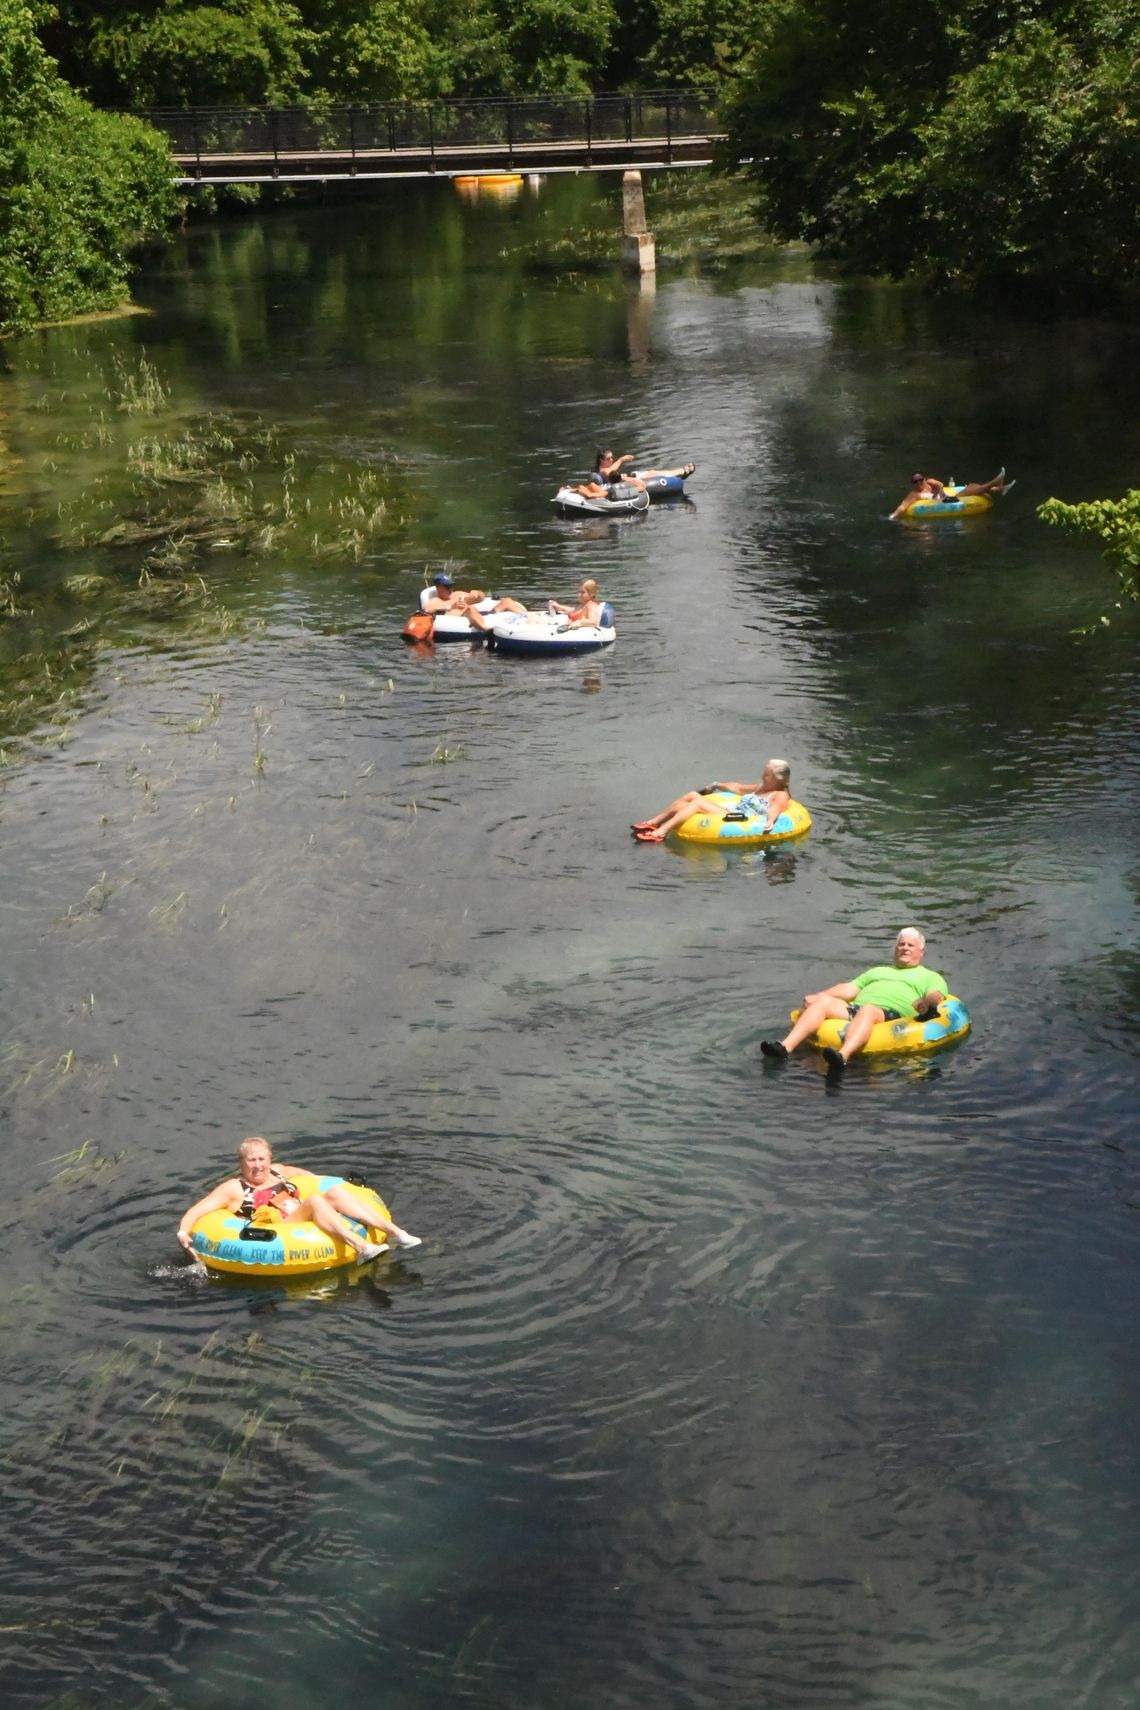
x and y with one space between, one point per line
444 578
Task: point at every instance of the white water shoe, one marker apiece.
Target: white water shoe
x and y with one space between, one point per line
372 1250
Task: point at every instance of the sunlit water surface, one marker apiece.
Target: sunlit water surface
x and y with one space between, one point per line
710 1385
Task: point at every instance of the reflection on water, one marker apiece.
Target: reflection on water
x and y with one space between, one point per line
709 1384
778 866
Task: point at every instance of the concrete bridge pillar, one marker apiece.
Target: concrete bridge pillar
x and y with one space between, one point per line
638 250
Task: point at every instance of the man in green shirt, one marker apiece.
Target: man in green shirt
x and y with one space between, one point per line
905 989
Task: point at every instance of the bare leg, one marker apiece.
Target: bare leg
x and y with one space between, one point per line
682 474
656 829
982 488
344 1200
820 1009
318 1208
859 1029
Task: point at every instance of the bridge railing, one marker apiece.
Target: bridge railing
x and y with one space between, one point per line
389 126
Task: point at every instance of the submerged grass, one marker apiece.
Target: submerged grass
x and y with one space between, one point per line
202 487
443 755
155 510
83 1163
30 1076
143 1437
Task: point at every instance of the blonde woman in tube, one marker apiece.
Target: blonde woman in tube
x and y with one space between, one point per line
767 800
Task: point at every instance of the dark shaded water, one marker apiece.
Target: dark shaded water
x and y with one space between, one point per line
709 1386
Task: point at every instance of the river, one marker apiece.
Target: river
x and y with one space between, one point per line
711 1385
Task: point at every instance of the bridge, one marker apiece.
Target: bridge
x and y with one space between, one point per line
439 139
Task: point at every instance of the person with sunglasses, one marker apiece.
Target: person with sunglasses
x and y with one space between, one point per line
926 487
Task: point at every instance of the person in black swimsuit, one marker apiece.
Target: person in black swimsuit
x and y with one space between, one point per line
607 467
262 1182
607 472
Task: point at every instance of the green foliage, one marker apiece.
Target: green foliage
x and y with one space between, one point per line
521 47
691 43
262 52
78 189
374 50
974 144
1114 521
148 53
251 52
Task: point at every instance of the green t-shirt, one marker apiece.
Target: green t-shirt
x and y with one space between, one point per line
897 988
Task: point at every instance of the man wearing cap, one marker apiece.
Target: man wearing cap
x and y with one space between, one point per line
443 597
904 988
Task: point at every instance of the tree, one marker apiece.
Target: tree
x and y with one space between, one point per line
160 54
144 53
375 50
1117 523
676 44
983 143
531 47
78 189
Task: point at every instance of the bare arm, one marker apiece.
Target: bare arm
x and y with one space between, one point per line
777 802
218 1200
902 508
845 991
587 616
927 1005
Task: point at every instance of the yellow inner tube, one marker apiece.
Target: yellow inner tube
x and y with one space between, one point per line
957 507
742 833
500 183
950 1021
270 1245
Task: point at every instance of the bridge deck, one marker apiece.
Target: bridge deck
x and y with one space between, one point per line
390 139
445 160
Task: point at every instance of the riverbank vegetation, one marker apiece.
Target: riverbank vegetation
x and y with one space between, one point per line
1116 522
977 144
79 189
152 506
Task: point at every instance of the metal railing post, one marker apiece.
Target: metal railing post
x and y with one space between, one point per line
669 130
197 146
589 110
431 134
628 120
273 135
510 138
352 137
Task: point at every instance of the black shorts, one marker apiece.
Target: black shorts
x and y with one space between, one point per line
888 1014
